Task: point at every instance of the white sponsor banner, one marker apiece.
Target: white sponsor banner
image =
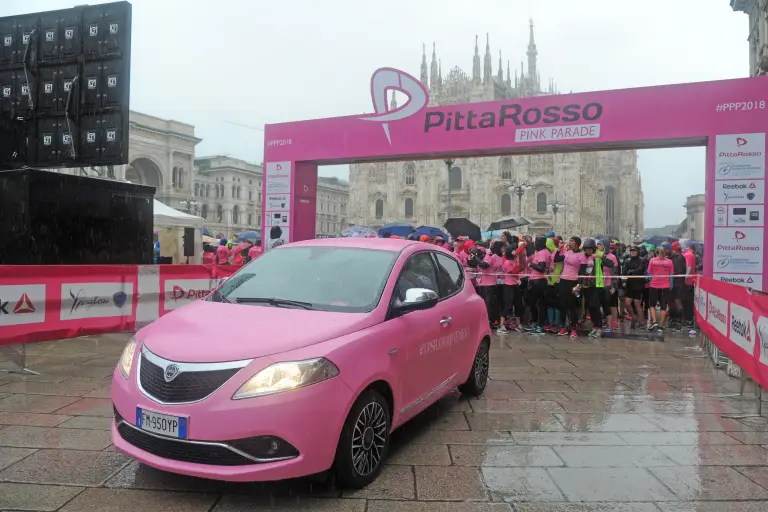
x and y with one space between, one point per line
746 216
22 304
747 280
281 219
742 328
739 250
180 292
96 300
740 192
762 338
717 313
277 236
701 303
577 131
740 156
278 178
277 203
721 215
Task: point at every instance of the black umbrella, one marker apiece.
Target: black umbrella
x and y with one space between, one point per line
507 223
461 226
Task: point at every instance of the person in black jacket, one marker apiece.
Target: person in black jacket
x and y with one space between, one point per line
678 285
634 285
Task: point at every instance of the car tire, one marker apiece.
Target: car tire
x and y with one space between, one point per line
364 441
478 377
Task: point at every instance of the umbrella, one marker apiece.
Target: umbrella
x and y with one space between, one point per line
507 222
492 235
396 228
239 247
358 232
210 240
206 232
431 232
461 226
657 239
248 236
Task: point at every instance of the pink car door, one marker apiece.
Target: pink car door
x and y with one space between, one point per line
419 352
451 281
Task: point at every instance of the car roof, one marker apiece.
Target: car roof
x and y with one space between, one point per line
382 244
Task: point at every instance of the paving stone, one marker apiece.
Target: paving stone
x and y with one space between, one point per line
131 500
54 437
35 497
35 403
10 456
65 467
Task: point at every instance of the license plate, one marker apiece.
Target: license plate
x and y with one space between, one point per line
171 426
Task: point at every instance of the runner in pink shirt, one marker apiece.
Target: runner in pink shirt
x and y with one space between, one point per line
255 251
510 291
574 264
660 269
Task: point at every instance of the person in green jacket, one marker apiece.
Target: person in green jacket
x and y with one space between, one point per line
554 321
593 284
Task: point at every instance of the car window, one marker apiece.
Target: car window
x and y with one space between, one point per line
449 275
328 278
418 272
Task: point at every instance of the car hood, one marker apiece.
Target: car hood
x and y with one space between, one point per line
216 332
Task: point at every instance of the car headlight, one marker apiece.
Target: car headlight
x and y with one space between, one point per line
286 376
126 360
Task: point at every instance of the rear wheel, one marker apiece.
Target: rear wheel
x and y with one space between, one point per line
364 441
478 377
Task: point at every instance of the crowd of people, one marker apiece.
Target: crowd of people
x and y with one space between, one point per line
552 285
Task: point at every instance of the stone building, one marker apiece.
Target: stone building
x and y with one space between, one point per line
758 33
693 225
592 193
227 194
161 153
226 191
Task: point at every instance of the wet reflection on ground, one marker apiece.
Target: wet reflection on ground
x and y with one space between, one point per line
568 426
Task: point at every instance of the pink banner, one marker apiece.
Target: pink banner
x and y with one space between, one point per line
42 303
729 117
736 320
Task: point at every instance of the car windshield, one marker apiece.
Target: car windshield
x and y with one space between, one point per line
338 279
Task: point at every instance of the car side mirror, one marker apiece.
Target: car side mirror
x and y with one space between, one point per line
416 299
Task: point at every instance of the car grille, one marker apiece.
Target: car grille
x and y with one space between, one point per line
186 387
182 451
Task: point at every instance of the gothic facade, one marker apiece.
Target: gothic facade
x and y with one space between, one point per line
573 193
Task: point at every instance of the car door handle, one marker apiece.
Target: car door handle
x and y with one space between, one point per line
446 320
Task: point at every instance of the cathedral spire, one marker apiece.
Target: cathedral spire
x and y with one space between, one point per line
501 70
487 69
424 76
509 77
393 103
433 77
440 74
476 64
532 54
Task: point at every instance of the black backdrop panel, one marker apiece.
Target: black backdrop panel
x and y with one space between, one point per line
63 69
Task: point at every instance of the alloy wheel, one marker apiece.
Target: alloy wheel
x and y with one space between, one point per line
369 438
481 365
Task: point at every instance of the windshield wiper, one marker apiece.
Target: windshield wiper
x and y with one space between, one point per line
216 296
273 302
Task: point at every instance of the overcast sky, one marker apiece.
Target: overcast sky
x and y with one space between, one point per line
252 62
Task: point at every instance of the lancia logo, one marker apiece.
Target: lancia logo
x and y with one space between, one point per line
171 371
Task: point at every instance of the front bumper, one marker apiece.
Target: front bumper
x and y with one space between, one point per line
308 419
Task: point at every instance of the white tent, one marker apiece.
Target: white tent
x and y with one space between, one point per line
170 224
165 216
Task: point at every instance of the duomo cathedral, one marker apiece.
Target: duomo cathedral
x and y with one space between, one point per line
573 193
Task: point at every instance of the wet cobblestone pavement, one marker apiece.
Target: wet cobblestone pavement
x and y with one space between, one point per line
564 426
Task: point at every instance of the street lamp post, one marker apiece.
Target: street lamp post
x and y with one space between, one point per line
556 207
449 165
190 205
520 189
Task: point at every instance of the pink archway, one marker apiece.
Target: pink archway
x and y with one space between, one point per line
729 117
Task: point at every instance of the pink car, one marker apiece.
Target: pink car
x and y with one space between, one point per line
304 361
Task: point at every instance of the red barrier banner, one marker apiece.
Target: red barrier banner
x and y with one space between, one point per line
42 303
736 320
